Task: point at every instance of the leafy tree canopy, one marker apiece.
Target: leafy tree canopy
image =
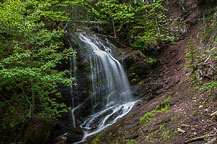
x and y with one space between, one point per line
31 46
141 21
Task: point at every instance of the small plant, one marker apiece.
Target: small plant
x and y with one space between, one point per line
159 109
151 61
147 116
206 100
134 77
191 135
162 126
95 141
152 134
131 141
155 132
207 137
209 86
194 113
173 42
191 55
176 132
166 135
175 117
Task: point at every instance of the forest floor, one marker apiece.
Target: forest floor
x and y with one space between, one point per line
189 118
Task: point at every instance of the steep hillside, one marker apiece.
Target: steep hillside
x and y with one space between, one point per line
173 108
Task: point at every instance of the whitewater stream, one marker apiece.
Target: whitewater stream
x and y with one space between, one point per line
110 96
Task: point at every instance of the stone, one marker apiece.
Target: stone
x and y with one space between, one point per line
74 135
180 130
185 125
214 113
195 133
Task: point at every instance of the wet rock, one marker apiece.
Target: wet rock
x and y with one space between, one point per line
58 129
74 135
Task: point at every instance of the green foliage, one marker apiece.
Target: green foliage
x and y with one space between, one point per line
159 109
141 22
155 132
147 116
173 42
176 132
131 141
207 137
192 55
151 61
210 26
113 10
95 141
166 134
202 61
148 30
209 86
31 47
134 77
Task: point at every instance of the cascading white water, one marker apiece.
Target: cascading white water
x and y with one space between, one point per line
111 96
73 69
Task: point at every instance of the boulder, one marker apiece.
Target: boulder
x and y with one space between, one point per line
74 135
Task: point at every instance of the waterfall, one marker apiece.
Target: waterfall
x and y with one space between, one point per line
73 69
110 95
